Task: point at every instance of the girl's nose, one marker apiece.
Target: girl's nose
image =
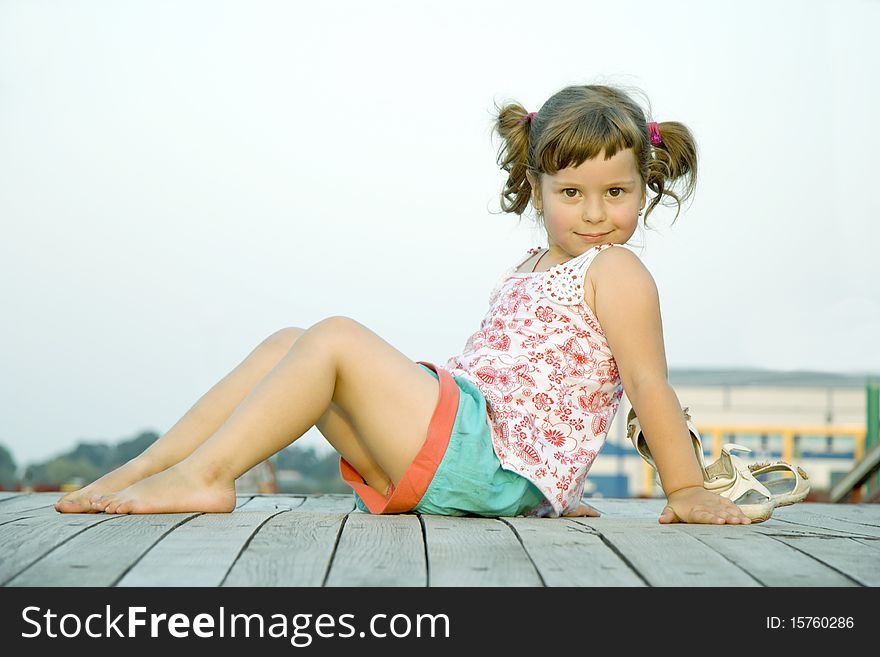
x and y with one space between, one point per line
593 218
593 212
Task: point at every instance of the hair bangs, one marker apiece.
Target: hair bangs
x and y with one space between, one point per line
584 138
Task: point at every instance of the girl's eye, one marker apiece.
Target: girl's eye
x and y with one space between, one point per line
572 189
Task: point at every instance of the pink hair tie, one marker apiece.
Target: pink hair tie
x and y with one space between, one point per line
528 117
655 133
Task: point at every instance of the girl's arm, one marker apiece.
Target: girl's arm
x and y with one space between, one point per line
628 308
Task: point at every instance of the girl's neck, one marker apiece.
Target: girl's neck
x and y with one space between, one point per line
549 260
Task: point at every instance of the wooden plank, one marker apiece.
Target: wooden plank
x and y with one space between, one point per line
664 556
241 500
30 502
5 519
377 550
848 556
289 541
29 505
862 514
474 551
804 517
9 494
634 507
294 548
28 539
48 513
102 553
201 551
872 543
775 527
770 561
568 554
270 503
782 522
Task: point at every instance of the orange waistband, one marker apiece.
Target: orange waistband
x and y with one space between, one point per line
409 491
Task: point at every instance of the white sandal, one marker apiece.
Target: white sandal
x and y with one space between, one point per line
728 476
781 488
634 433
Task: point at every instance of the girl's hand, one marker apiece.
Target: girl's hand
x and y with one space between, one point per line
582 510
695 504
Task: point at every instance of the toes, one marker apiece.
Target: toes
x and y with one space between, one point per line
69 505
100 502
118 506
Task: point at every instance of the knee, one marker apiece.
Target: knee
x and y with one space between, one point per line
337 325
334 330
283 339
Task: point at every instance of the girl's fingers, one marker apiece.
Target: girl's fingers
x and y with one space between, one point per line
725 513
717 517
736 517
668 515
711 517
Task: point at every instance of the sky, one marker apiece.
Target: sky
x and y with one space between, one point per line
179 180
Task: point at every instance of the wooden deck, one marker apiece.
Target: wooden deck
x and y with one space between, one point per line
324 541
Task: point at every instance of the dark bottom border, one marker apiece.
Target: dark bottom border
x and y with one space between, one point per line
519 619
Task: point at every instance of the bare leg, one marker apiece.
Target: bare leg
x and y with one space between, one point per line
389 398
199 423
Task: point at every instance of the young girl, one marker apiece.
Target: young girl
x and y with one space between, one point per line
511 425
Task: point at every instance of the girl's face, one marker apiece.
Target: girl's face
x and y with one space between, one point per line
597 202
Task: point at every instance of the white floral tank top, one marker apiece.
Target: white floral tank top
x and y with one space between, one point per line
551 384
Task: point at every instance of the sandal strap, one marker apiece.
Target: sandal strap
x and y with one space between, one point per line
729 476
634 433
761 468
746 481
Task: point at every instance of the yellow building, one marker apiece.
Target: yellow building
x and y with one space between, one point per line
812 419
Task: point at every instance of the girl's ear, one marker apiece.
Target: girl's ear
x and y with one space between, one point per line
536 192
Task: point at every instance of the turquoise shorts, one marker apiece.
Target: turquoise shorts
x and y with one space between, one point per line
469 479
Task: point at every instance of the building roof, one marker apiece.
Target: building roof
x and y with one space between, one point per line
760 377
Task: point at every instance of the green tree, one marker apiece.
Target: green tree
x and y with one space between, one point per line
8 478
319 474
129 449
63 469
87 461
99 455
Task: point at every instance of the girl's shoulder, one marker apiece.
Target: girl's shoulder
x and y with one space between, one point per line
623 256
606 262
610 263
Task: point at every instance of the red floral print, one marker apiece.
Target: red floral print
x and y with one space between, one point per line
551 384
542 401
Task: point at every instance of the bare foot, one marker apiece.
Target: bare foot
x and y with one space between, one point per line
78 501
175 490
